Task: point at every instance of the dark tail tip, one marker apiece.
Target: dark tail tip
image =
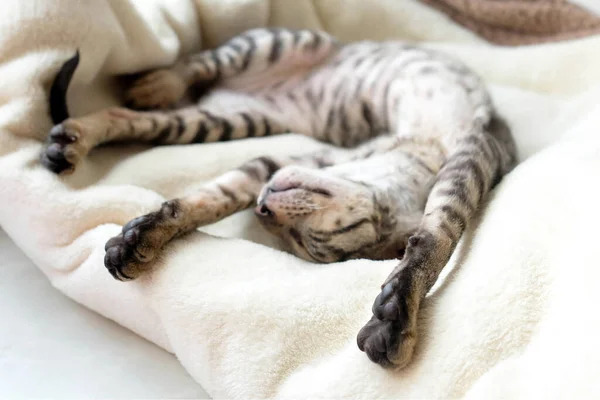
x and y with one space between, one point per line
58 91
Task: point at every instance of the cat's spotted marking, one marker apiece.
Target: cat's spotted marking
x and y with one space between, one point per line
418 147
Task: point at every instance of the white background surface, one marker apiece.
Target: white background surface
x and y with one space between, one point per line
51 347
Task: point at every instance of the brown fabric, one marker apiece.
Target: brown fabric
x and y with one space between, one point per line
521 22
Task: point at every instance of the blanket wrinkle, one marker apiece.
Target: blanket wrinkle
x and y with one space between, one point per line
249 321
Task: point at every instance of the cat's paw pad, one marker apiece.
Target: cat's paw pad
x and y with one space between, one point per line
63 149
128 254
390 336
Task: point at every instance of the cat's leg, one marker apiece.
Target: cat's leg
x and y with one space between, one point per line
274 53
71 140
128 255
254 52
474 165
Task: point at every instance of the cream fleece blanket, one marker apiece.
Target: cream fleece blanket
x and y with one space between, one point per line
516 316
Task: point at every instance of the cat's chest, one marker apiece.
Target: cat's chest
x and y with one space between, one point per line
387 171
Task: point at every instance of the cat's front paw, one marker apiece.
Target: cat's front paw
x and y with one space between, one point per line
160 89
390 336
129 254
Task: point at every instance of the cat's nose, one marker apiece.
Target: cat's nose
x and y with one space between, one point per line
263 211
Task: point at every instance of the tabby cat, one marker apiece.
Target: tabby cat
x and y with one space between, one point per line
417 145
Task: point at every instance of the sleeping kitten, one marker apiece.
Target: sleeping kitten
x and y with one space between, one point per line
418 145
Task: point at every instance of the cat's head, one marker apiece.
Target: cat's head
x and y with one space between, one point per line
326 218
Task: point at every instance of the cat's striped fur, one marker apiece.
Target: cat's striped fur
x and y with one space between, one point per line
418 145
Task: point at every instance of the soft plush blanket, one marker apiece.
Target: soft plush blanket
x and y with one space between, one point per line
515 315
522 22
